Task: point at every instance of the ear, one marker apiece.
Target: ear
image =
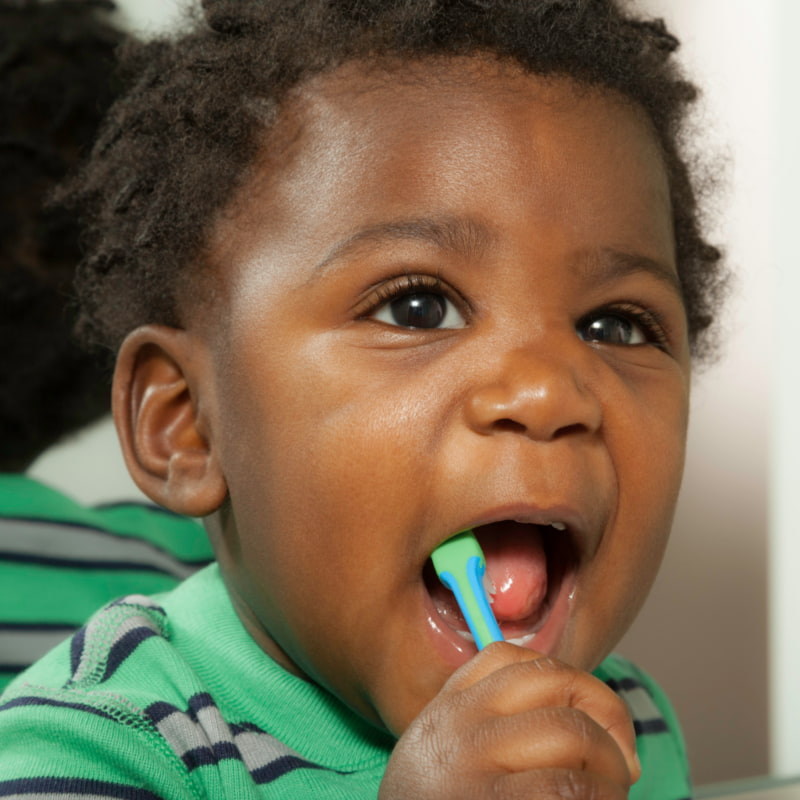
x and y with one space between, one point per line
159 410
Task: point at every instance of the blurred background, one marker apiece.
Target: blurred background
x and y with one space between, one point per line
720 628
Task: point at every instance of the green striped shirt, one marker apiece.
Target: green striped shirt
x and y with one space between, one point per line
168 697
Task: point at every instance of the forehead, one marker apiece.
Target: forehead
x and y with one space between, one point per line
363 145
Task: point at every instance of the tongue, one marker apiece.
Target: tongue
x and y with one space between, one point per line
517 566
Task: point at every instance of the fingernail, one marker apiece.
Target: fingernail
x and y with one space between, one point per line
637 767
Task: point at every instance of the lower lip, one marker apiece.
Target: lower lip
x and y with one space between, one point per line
455 650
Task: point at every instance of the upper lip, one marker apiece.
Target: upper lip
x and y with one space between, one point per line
582 531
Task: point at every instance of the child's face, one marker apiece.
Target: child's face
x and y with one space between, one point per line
524 230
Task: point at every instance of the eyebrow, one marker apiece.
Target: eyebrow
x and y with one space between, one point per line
471 238
463 236
609 264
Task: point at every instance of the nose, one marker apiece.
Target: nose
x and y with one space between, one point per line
541 396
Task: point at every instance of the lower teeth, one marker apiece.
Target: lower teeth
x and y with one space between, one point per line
519 640
522 640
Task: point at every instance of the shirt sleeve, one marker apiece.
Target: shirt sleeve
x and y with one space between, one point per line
659 739
55 746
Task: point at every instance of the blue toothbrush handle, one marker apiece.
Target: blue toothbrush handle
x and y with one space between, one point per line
460 564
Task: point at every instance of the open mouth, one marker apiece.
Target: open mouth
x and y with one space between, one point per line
529 571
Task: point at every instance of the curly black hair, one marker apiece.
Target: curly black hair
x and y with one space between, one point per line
56 59
180 144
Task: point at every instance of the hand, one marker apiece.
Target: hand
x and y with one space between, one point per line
515 724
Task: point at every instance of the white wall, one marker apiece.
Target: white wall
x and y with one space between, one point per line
703 633
704 630
89 467
150 16
785 551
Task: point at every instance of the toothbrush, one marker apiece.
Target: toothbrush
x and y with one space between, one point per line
460 565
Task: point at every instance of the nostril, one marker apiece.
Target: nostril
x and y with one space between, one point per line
567 430
539 398
512 426
509 425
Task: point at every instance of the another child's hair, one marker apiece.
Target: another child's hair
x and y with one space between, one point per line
180 144
56 59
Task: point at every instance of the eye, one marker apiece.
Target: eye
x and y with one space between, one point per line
409 303
610 329
628 327
420 310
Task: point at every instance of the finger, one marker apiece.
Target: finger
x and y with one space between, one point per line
560 738
556 784
492 658
510 679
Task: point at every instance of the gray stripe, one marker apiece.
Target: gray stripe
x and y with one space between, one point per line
260 749
129 624
214 726
122 616
77 543
60 795
184 734
143 603
641 705
24 647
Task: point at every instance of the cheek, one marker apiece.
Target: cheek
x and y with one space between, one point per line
647 446
648 496
648 441
654 453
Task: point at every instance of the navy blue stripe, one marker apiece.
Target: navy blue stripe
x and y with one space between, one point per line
280 767
205 756
124 647
44 701
76 563
642 727
136 504
198 702
40 627
625 685
76 650
245 727
645 727
74 786
160 710
14 667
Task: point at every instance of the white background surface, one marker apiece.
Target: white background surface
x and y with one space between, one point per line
704 632
785 482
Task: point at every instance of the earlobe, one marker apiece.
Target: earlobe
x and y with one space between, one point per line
158 407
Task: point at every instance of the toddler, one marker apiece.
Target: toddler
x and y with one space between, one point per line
377 272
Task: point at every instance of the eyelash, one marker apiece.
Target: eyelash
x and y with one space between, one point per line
402 285
652 323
